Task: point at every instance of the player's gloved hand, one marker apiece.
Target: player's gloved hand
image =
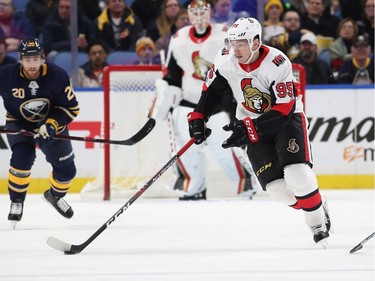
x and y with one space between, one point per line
47 131
197 127
244 132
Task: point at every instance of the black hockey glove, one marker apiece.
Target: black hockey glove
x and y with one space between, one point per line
244 132
197 127
46 131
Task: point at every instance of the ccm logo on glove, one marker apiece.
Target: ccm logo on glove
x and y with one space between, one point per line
250 128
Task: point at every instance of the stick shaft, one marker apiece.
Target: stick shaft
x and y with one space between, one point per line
75 249
144 131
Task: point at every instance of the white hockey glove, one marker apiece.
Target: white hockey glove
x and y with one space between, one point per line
167 97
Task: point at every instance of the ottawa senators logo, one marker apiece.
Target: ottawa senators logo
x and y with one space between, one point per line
201 66
254 100
293 146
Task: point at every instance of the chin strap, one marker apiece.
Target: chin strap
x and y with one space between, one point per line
252 53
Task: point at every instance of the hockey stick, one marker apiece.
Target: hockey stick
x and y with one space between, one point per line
70 249
360 245
143 132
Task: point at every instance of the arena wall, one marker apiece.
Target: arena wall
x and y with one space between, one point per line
341 130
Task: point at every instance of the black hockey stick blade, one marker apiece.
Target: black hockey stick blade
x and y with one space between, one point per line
142 133
360 245
70 249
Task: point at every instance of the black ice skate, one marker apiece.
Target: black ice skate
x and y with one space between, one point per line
320 234
199 196
15 213
59 204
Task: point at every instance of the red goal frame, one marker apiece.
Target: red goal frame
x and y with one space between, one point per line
106 120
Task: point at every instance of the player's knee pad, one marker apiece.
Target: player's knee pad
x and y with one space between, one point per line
64 173
279 192
300 179
23 156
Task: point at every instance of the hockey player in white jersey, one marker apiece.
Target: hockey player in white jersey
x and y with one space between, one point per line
191 53
270 120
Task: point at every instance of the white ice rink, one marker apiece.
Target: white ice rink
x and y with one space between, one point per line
167 240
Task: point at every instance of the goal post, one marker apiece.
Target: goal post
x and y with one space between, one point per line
138 83
128 92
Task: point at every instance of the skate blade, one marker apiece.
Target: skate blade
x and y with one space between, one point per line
14 224
324 243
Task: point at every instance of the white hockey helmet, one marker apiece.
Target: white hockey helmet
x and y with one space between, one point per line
245 28
199 12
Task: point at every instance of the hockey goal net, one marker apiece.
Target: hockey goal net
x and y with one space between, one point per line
128 94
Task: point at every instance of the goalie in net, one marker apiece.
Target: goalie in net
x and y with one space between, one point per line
189 59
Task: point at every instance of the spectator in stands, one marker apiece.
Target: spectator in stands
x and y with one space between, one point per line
317 22
366 24
4 58
14 26
351 9
182 20
334 9
118 26
90 74
56 30
165 22
146 52
38 10
300 6
317 71
341 47
360 69
89 8
288 42
147 11
222 13
273 26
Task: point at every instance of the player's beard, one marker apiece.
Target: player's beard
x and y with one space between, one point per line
32 73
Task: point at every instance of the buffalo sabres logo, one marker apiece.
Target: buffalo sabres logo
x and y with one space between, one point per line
293 146
201 66
255 100
35 110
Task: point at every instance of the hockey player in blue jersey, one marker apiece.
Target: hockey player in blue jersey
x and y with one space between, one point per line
38 97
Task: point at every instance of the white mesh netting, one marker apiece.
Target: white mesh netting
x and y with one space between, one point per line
130 97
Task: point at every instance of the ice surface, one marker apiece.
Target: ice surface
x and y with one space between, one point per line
168 240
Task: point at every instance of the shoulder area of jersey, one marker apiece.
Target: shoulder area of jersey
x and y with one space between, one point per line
54 68
225 55
10 67
219 26
276 56
182 32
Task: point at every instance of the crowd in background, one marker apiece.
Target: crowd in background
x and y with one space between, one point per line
332 39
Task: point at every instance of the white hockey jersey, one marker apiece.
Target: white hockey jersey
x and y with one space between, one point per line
266 84
195 57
